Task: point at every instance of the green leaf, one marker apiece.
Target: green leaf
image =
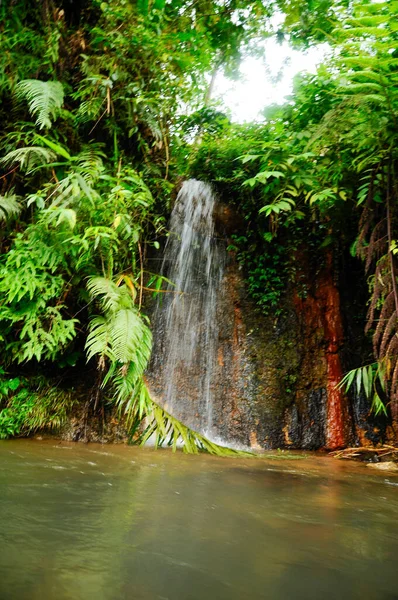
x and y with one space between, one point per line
249 158
367 382
347 379
67 215
56 147
263 176
14 384
252 182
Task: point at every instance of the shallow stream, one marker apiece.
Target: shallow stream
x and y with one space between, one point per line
113 523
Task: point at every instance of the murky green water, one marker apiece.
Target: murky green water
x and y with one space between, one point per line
107 523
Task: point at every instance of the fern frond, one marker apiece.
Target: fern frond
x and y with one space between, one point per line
372 21
99 339
388 308
369 74
121 334
392 348
373 99
394 382
89 163
131 339
9 207
106 291
29 158
90 110
45 99
379 291
362 87
375 31
377 243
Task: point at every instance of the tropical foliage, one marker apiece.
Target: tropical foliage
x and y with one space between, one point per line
104 105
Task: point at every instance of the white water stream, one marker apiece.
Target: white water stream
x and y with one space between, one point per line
185 323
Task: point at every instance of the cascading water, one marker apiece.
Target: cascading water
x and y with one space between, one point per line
185 321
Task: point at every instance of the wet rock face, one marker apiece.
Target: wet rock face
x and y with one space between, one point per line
370 429
272 376
227 221
306 428
321 325
86 425
249 394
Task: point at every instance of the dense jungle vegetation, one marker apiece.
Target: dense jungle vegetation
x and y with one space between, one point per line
104 107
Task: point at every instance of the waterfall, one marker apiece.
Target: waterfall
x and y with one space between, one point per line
185 320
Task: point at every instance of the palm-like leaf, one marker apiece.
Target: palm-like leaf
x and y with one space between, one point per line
45 99
164 429
368 378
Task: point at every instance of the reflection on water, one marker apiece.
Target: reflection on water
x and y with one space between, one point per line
110 523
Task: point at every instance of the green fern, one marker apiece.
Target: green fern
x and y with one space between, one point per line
45 99
106 291
45 336
120 334
28 158
10 207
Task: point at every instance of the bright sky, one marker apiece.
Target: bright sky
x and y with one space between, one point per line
257 88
